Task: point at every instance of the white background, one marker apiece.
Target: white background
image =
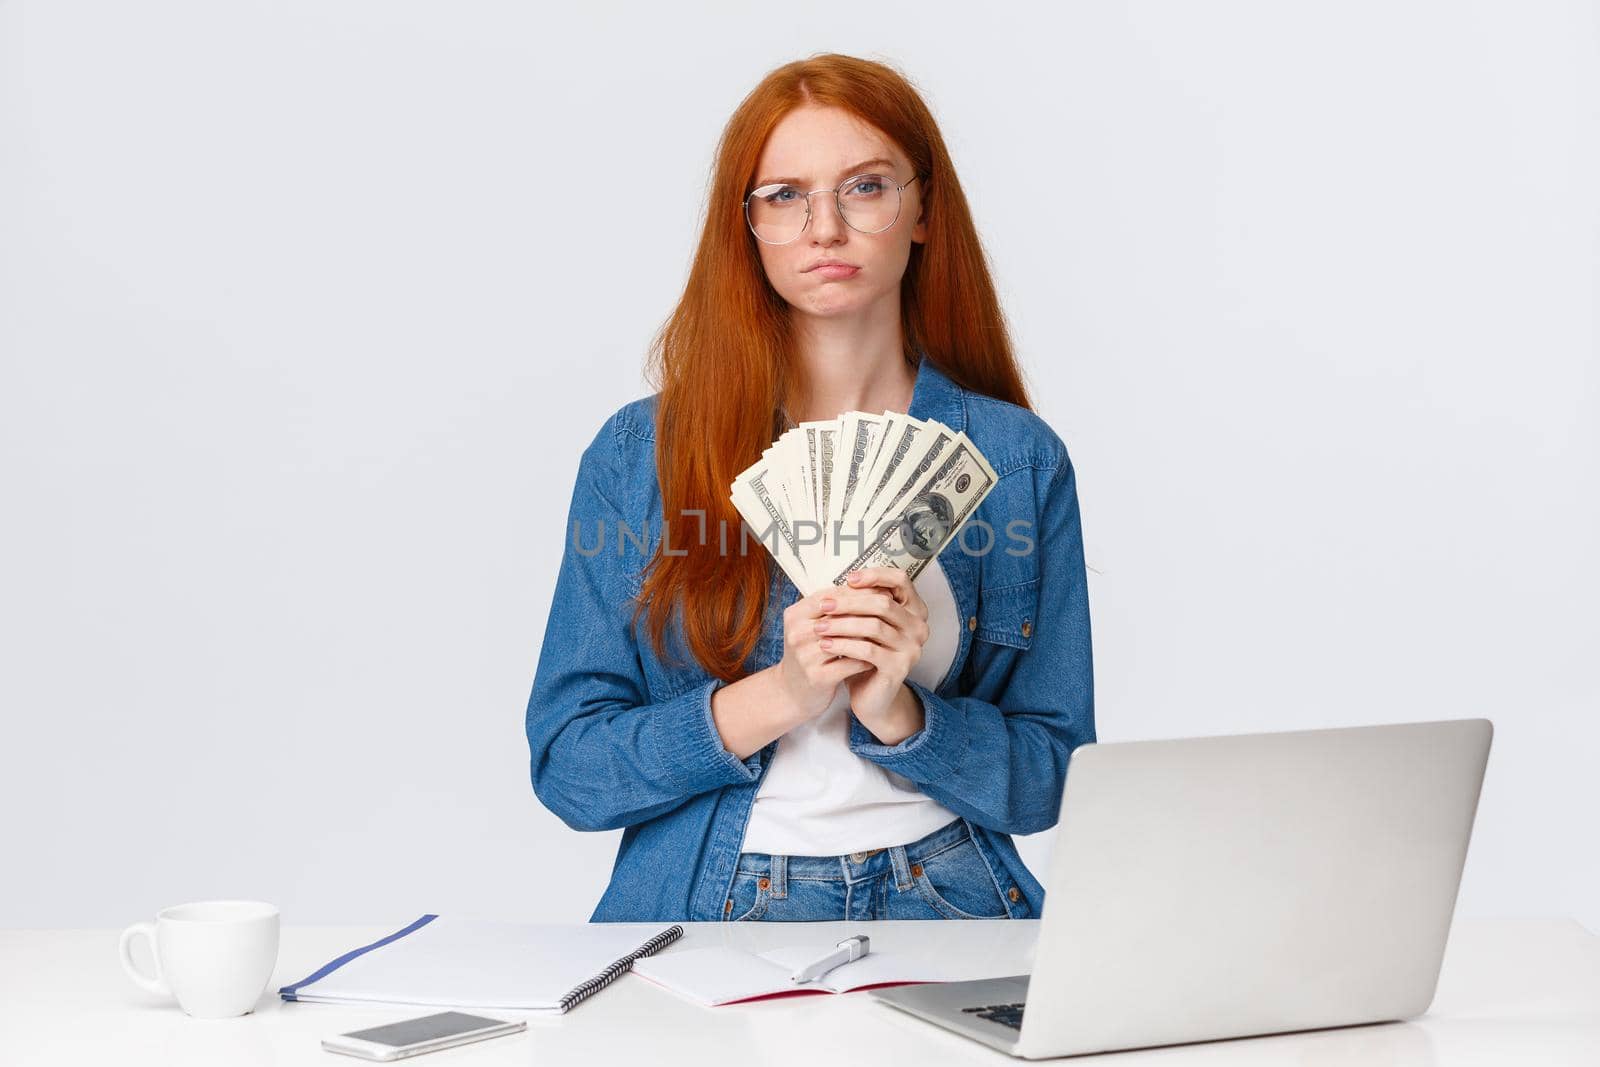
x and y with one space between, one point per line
307 309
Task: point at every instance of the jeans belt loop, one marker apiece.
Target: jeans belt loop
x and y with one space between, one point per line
902 867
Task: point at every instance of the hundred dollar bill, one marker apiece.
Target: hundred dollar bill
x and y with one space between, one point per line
817 469
858 439
930 449
795 472
900 439
827 445
759 499
939 504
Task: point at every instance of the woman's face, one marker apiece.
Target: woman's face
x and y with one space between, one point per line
816 147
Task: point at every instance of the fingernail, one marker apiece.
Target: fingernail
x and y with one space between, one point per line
827 642
853 577
822 625
827 603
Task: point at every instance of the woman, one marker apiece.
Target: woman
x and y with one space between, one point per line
864 752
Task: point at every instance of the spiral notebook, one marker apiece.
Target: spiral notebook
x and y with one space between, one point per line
464 963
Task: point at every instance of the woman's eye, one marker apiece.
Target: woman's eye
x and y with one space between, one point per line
866 187
785 195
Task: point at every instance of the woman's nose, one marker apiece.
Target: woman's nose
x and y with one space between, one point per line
826 222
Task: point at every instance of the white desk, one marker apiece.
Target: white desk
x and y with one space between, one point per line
1524 992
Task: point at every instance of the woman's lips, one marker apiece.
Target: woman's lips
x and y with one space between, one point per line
836 271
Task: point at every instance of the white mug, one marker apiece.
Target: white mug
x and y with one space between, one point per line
214 956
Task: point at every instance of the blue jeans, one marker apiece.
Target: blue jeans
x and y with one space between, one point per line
940 876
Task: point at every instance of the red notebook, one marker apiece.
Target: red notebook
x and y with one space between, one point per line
722 975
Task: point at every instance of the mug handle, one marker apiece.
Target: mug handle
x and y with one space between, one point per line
156 984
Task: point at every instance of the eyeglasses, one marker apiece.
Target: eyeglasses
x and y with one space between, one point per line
868 203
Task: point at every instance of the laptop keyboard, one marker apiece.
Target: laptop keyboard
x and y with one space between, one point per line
1005 1014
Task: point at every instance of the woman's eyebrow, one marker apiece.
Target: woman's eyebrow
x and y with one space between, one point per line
848 172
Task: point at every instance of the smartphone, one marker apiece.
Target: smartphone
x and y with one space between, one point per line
413 1037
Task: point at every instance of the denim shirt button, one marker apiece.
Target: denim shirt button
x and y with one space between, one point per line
1027 628
972 622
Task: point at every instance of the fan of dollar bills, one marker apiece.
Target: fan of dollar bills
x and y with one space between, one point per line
862 490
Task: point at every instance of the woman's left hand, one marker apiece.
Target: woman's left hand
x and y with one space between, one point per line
879 617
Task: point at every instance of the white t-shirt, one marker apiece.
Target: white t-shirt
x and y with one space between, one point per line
821 799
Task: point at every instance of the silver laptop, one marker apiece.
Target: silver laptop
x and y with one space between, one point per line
1218 887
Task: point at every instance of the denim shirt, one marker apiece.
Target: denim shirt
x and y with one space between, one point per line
618 737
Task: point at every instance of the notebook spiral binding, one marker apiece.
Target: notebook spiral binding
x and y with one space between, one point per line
622 966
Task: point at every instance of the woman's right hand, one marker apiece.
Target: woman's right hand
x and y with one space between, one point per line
808 674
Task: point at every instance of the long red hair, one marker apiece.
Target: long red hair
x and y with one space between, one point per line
724 363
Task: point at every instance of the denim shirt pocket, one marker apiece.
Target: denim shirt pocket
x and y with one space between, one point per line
1006 614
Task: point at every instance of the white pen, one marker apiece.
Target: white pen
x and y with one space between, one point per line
849 950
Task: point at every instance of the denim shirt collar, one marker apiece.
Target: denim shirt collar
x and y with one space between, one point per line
935 396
